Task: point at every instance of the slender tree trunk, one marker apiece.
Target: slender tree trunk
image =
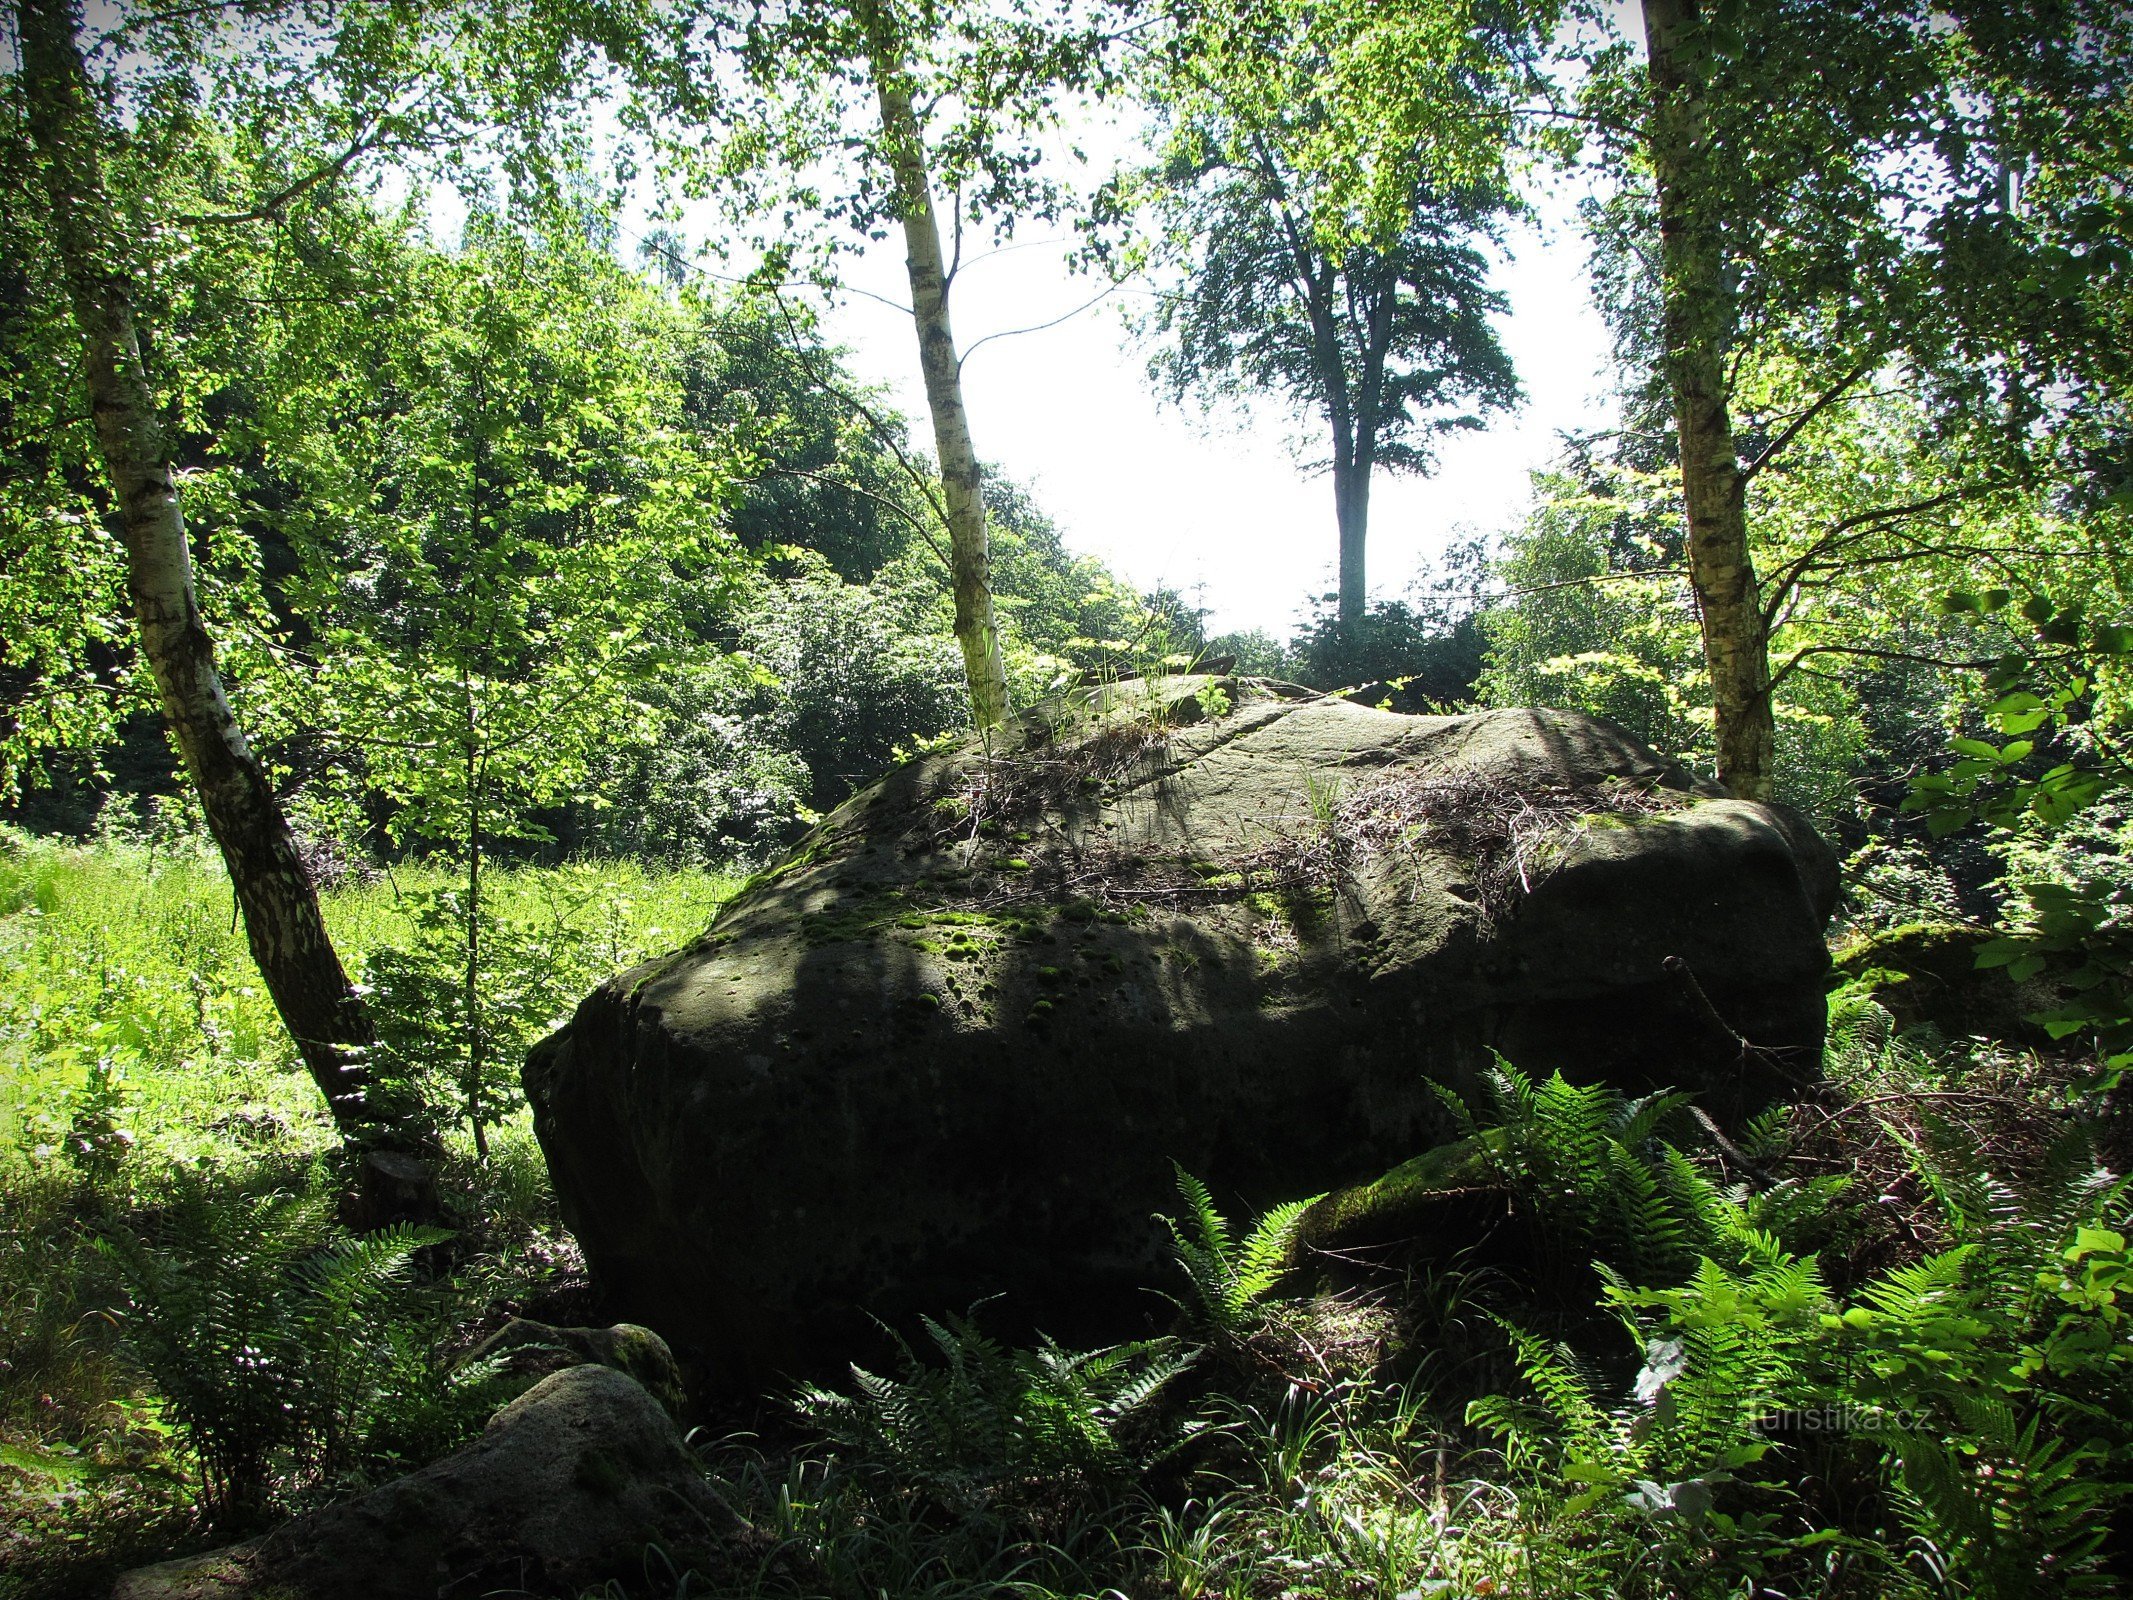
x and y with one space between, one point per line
1351 505
1313 279
1698 313
1351 474
962 487
1362 448
287 934
477 1052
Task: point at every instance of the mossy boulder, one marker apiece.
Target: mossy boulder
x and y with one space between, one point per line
1449 1191
570 1486
523 1352
952 1047
1926 975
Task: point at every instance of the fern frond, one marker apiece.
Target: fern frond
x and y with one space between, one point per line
1209 1229
1639 1121
1640 1216
347 1270
1229 1278
1788 1207
1158 1369
1765 1134
1923 1287
1265 1253
1456 1108
1560 1381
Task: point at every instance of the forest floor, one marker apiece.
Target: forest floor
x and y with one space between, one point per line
1872 1344
153 1115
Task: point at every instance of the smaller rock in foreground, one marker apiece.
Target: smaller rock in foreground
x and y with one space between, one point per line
569 1485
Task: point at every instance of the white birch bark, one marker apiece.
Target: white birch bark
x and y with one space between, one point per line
283 925
962 485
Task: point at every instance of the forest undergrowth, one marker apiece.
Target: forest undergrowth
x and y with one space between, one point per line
1871 1344
190 1344
448 514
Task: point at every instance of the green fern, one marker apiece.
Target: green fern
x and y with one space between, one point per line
370 1383
2011 1345
1593 1165
1228 1277
1986 1385
1766 1134
291 1360
1720 1353
981 1424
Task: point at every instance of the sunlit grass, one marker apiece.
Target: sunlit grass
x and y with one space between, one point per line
129 961
138 1045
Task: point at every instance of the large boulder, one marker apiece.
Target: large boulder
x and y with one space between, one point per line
570 1486
952 1047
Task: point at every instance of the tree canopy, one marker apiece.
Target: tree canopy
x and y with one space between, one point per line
1383 340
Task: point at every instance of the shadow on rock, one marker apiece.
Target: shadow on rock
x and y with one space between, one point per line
952 1047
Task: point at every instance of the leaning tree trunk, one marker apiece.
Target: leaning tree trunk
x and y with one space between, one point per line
283 924
1698 310
962 489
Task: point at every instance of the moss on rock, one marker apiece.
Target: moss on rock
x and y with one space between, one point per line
951 1051
1926 975
1410 1201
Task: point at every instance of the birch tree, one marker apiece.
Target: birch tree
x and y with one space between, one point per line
1696 330
850 119
1824 206
287 112
1800 208
283 925
903 147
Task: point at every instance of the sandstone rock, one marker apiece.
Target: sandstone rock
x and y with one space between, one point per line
1927 974
567 1488
952 1047
525 1352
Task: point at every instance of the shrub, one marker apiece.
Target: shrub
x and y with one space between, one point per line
1981 1388
291 1360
